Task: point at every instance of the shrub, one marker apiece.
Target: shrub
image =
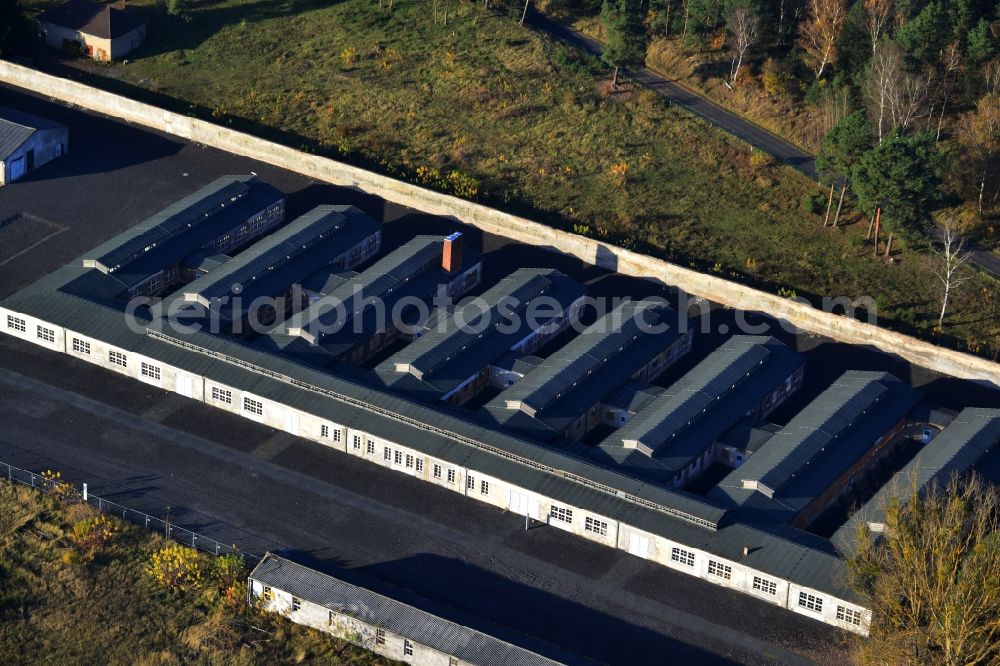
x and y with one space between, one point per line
813 203
773 78
91 534
176 567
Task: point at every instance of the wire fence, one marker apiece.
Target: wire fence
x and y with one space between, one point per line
69 494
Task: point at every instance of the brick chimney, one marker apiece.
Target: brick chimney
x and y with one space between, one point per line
451 257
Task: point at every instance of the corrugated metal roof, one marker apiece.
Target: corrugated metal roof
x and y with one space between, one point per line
342 227
592 365
400 618
471 337
695 411
827 418
970 437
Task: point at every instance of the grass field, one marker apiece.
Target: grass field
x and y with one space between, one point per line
485 109
64 600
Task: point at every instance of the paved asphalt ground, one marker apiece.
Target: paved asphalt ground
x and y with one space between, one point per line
242 483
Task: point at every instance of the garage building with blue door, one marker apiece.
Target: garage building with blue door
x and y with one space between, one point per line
27 142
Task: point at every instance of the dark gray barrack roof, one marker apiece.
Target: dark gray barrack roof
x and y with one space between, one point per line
595 363
446 356
343 226
852 400
973 434
400 618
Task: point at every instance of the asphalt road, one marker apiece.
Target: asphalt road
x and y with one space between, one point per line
698 104
678 94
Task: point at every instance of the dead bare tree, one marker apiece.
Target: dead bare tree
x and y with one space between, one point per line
908 95
743 25
877 16
953 256
524 14
820 31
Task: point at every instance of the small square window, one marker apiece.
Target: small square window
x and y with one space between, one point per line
397 457
764 585
324 430
296 603
470 482
420 464
149 370
16 324
357 442
387 453
562 514
117 358
848 615
437 471
682 556
379 636
337 435
719 569
810 602
46 334
484 488
253 406
222 395
81 346
598 527
407 647
371 448
451 476
409 460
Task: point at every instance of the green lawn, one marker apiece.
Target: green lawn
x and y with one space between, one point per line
489 110
60 606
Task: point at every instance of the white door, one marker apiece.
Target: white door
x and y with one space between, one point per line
518 503
185 386
15 169
638 545
292 423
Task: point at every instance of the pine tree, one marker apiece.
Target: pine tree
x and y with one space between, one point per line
626 35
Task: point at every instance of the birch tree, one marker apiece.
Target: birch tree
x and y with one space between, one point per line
953 257
879 85
878 14
979 136
818 34
743 26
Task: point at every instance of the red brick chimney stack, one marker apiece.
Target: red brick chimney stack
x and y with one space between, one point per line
451 257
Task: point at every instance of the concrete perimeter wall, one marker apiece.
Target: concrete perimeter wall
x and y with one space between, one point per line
493 221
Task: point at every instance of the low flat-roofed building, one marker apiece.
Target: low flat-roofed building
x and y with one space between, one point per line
352 316
27 142
225 214
825 449
99 31
398 627
672 439
564 395
971 439
72 311
451 361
